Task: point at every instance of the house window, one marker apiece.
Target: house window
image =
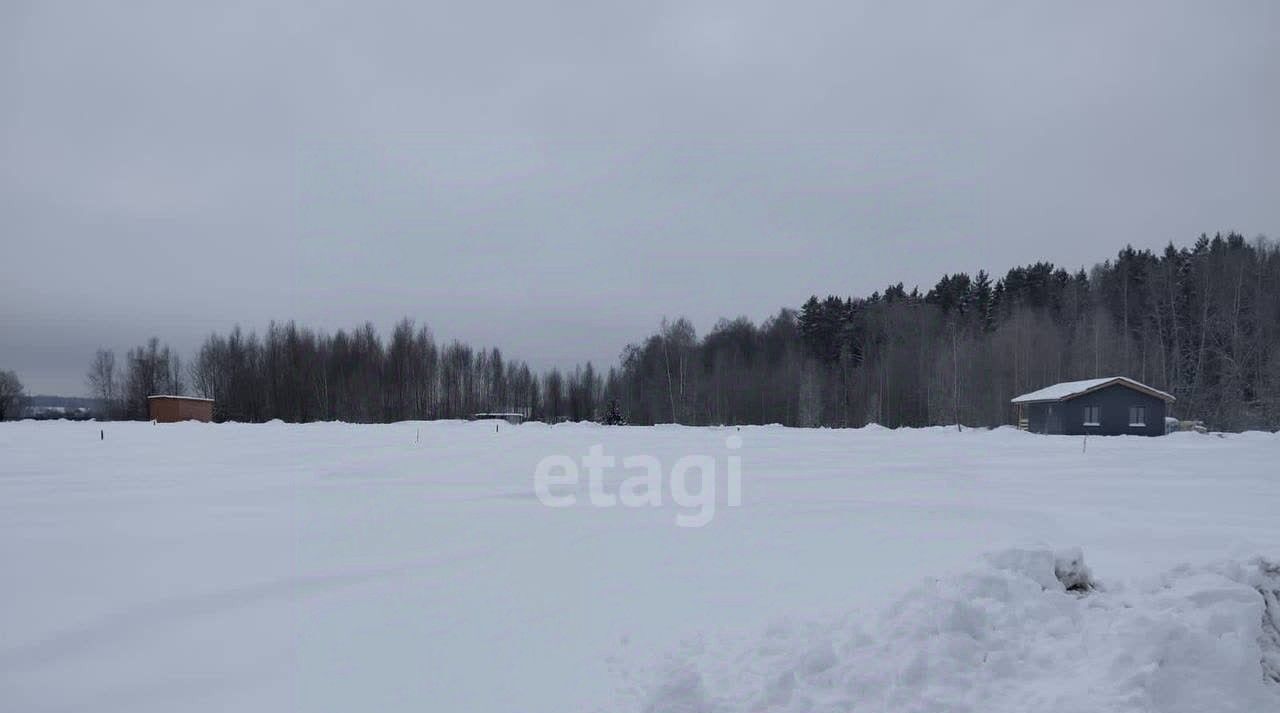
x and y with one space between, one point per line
1093 415
1137 416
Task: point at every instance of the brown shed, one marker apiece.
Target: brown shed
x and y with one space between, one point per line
171 409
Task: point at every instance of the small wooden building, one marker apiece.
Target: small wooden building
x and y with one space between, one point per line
1112 406
171 409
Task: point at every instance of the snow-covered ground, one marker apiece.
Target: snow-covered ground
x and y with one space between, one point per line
276 567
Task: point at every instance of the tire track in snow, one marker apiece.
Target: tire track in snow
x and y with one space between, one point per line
143 619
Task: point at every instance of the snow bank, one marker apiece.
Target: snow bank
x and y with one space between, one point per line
1010 636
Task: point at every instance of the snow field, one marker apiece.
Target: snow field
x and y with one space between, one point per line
411 567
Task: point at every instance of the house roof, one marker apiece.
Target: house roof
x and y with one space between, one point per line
184 398
1071 389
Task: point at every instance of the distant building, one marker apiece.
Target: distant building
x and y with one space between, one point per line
53 413
1112 406
171 409
510 417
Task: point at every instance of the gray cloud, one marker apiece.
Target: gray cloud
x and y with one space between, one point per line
555 178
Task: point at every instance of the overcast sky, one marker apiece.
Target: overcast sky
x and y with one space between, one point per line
556 177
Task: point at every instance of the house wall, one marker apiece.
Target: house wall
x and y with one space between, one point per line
1115 401
1067 417
174 410
195 411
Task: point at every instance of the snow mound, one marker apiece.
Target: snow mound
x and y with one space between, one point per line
1027 630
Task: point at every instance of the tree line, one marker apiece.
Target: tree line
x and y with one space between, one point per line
298 374
1201 322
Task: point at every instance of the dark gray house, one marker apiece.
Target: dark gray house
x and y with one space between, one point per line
1108 407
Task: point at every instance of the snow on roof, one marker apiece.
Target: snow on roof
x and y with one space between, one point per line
172 396
1069 389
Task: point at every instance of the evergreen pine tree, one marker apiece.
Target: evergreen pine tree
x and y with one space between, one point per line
613 417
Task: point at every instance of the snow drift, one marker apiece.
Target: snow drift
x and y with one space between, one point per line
1027 630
